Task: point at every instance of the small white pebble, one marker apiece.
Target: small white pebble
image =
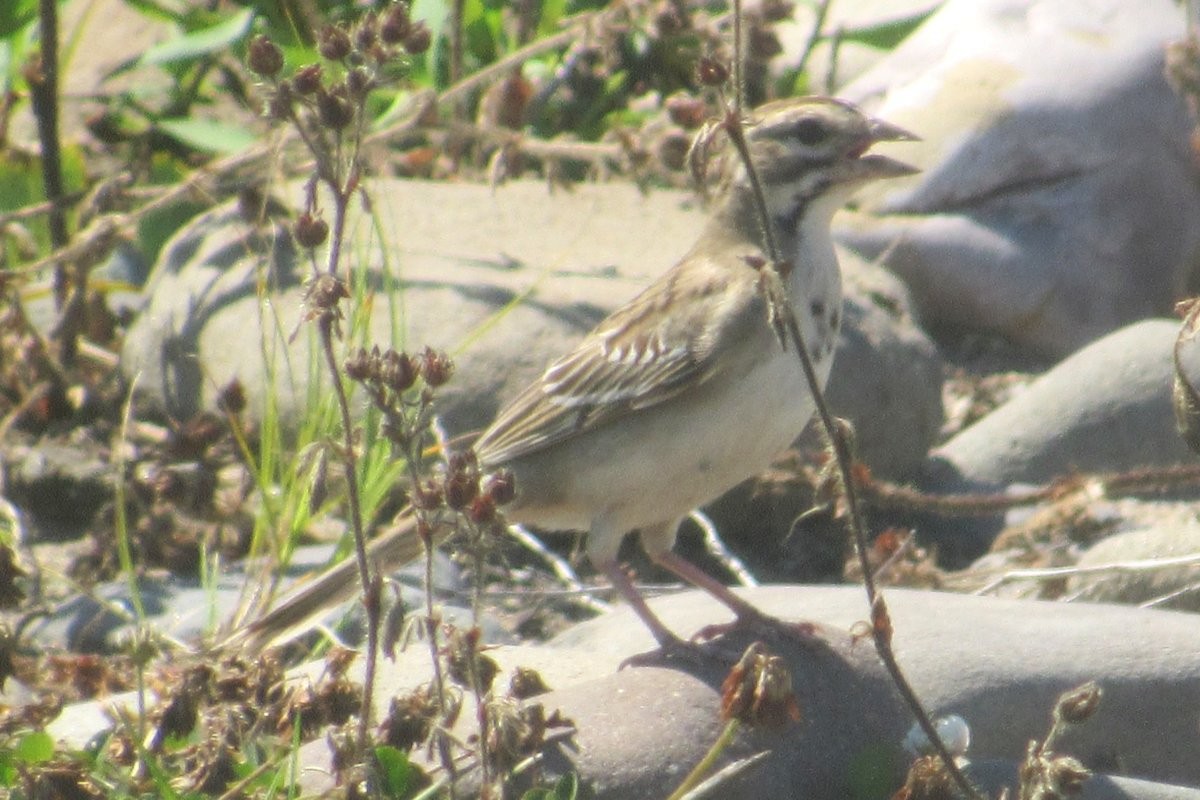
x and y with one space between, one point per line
952 729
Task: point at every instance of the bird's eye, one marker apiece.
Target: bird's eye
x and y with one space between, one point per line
810 131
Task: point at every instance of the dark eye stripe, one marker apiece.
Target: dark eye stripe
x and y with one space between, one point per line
810 131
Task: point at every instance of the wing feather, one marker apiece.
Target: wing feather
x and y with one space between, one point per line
637 358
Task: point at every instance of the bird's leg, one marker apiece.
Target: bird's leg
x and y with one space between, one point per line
661 633
747 615
670 645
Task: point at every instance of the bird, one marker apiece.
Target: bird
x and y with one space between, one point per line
687 390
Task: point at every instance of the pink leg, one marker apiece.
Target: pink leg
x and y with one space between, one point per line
747 614
662 634
702 580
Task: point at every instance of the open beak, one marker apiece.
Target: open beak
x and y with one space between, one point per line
872 166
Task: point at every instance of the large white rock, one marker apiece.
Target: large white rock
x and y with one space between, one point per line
1060 197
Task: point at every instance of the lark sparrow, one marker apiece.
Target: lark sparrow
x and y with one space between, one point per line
686 391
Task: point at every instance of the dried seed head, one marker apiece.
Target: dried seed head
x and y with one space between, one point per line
461 488
1079 704
465 657
397 371
334 110
325 291
396 24
687 111
310 231
427 497
436 367
482 510
279 107
511 737
526 683
777 10
358 365
1067 776
711 72
418 39
365 35
333 43
232 397
758 690
264 58
359 82
673 150
307 79
501 486
928 779
410 719
763 44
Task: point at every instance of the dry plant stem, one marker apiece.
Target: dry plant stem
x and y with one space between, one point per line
814 35
835 50
717 549
230 172
44 98
481 707
881 634
888 495
712 786
1053 573
350 465
342 191
456 40
412 460
505 65
739 80
561 567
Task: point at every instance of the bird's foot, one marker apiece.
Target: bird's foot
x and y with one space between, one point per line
761 626
672 649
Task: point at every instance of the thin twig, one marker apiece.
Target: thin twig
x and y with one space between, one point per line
814 34
43 90
717 549
739 79
839 442
1169 596
561 567
1115 567
882 494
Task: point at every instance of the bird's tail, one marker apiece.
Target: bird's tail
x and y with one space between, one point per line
296 611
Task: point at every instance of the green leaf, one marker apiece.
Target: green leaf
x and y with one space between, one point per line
202 42
155 10
394 769
35 748
208 135
553 12
886 35
566 789
15 15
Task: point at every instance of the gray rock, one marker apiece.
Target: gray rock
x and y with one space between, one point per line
1059 198
998 663
187 610
992 776
1107 408
505 280
60 487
